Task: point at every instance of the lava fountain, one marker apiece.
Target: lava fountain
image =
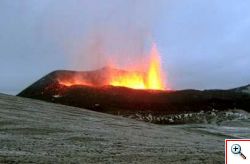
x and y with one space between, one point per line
155 79
152 79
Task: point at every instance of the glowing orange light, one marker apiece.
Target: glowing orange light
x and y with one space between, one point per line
130 80
154 76
152 79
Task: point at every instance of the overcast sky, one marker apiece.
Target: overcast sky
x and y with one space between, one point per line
204 43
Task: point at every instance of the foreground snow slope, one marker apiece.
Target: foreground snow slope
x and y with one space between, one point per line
36 131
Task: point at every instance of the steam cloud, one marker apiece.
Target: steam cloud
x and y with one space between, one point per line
116 33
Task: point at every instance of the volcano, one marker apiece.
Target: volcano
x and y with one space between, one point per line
96 95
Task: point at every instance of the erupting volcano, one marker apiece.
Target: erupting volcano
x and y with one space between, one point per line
108 90
152 78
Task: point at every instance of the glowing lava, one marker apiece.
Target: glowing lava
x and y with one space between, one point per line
151 79
155 75
130 80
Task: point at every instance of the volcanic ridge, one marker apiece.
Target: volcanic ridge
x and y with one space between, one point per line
94 93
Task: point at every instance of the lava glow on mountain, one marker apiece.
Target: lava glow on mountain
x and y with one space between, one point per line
152 78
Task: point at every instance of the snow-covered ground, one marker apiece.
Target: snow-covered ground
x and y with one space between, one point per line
208 117
36 131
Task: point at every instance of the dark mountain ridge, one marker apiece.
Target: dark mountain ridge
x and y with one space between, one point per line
125 101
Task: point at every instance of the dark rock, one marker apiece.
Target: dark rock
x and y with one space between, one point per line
126 101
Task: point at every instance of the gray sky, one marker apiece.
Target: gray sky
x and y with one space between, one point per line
204 43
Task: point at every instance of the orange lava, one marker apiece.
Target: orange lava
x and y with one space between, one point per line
130 80
151 79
